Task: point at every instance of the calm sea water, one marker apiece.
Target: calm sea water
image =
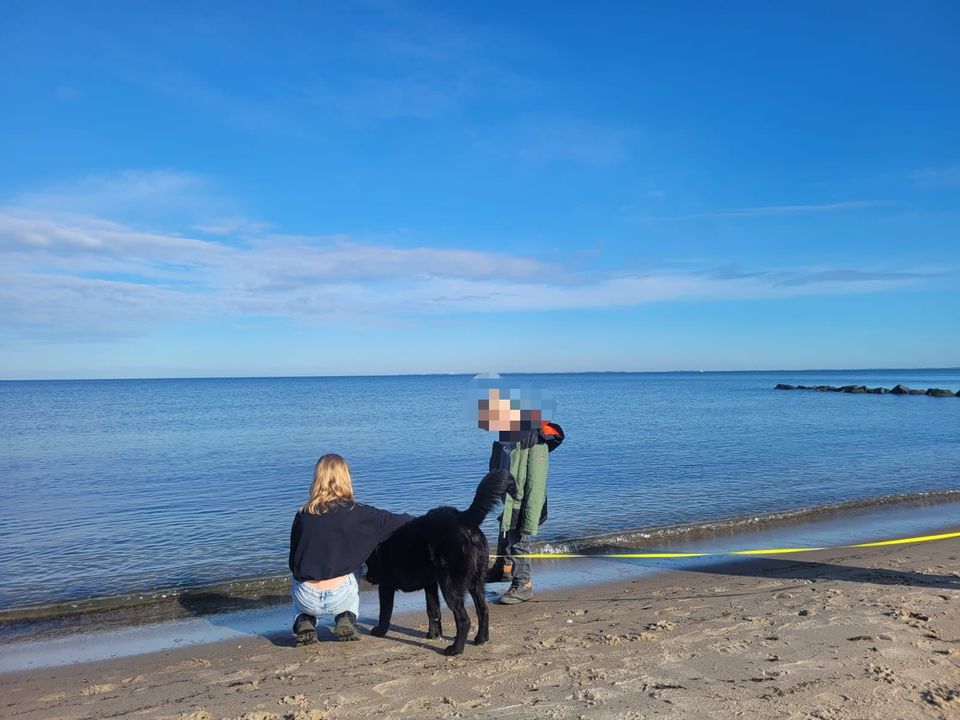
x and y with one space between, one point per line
109 487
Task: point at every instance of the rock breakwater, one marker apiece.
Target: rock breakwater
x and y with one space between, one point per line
863 389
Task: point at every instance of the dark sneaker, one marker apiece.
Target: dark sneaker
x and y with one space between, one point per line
518 593
346 627
305 629
498 572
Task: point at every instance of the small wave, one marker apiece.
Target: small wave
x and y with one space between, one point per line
663 536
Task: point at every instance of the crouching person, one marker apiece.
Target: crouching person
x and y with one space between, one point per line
332 535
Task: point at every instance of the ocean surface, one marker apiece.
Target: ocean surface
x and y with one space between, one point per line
132 486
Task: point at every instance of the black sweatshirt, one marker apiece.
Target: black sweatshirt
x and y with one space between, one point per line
338 541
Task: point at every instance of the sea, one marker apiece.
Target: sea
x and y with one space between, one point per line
133 488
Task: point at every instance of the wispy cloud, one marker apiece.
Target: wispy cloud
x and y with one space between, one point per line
847 277
138 198
799 209
82 276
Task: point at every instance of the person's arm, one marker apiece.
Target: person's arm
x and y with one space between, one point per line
384 522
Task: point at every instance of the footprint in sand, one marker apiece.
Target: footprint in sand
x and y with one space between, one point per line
881 673
942 697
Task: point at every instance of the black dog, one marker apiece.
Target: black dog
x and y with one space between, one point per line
445 547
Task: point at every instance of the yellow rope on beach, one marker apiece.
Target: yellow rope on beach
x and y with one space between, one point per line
768 551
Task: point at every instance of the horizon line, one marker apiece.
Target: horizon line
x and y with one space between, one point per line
472 374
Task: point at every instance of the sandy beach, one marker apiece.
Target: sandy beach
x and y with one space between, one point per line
865 633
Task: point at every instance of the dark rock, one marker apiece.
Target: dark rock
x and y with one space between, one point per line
898 389
853 388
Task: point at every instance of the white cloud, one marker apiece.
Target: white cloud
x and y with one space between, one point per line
81 276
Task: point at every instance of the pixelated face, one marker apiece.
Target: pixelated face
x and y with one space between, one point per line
496 413
510 409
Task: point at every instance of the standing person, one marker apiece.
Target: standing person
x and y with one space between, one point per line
331 537
523 448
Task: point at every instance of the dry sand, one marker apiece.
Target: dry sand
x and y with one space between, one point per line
868 633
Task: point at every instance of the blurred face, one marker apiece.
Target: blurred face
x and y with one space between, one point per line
495 413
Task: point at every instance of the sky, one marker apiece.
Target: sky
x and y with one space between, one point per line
238 188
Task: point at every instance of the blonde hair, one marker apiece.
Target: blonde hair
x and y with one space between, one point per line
331 484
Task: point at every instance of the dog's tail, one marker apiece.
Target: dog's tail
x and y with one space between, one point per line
490 490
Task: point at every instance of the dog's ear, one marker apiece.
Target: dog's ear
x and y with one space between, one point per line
512 488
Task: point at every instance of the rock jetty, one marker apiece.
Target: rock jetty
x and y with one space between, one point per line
858 389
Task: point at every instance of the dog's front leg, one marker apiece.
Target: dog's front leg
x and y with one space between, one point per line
433 611
386 609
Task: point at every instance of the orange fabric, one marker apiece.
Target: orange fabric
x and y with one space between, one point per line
546 429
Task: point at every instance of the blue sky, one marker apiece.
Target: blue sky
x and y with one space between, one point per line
307 188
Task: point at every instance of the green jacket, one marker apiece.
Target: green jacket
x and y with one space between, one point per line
529 462
529 469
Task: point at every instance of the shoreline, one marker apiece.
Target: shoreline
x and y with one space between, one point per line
205 617
264 591
865 632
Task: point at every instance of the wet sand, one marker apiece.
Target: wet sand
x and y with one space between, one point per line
848 633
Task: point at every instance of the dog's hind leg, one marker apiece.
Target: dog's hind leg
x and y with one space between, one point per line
433 611
454 599
386 609
483 615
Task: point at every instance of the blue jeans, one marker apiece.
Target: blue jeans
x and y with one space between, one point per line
345 598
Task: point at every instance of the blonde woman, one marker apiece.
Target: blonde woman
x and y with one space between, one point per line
331 537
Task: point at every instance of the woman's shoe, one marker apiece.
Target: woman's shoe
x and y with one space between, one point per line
305 629
346 627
